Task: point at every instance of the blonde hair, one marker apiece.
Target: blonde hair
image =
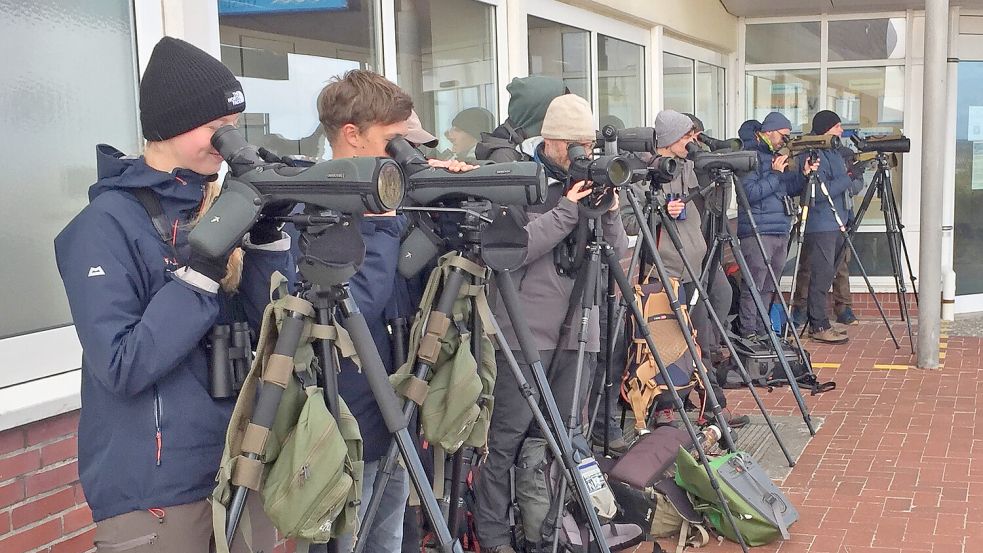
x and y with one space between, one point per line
231 281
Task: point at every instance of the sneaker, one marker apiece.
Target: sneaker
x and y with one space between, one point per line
828 336
847 317
736 421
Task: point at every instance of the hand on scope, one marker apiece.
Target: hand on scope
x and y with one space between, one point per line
616 203
808 168
214 268
675 207
780 163
578 191
452 165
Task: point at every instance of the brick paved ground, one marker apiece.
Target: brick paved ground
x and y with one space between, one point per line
890 470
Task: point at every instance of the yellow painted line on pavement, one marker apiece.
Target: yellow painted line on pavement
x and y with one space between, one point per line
826 365
943 345
891 367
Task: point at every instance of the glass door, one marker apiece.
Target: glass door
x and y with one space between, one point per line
968 225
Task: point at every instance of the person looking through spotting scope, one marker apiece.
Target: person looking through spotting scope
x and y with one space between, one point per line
545 295
769 190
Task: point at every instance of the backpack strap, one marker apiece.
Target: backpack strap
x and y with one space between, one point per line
151 202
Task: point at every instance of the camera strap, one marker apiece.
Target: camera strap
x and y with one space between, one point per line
151 203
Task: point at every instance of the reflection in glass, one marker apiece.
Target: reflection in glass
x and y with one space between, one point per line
445 59
560 51
677 83
870 99
284 58
794 93
71 85
782 42
867 39
710 97
620 82
968 231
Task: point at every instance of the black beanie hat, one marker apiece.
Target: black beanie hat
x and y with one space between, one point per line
183 88
474 121
824 121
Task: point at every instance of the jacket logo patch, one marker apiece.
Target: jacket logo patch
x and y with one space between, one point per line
96 271
216 219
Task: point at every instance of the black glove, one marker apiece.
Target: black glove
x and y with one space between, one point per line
214 268
267 229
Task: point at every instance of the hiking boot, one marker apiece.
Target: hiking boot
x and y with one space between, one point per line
664 417
505 548
736 421
828 336
847 317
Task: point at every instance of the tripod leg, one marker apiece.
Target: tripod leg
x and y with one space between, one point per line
896 242
673 233
435 329
759 305
853 250
648 242
267 403
394 419
625 286
561 446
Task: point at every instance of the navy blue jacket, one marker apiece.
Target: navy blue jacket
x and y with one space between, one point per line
832 172
143 334
765 190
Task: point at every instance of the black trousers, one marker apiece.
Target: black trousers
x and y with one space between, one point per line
511 422
821 248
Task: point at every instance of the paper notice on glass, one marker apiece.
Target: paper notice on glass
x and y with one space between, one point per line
977 182
975 131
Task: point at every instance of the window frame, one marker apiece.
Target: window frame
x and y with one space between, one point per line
594 24
699 54
42 367
910 190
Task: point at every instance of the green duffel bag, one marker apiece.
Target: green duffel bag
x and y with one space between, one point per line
761 511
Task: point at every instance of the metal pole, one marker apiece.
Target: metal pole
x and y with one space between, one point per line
933 167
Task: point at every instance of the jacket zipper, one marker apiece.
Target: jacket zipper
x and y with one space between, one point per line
157 410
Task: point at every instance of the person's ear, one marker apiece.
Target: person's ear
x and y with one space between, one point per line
351 135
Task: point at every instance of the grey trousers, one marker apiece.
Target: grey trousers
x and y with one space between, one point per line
775 254
180 529
721 295
510 424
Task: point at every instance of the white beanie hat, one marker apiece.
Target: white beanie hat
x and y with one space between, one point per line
569 118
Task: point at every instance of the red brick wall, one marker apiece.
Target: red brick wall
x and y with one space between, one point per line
41 503
42 508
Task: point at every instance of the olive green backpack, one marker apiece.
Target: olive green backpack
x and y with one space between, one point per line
456 401
309 470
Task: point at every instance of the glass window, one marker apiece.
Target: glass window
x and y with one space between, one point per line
620 82
867 39
870 100
677 83
795 93
284 57
711 98
968 231
562 52
782 42
55 106
445 52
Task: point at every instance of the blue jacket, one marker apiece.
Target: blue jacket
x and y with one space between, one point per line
765 190
832 172
143 334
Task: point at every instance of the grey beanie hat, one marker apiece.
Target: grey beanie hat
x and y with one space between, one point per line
775 121
670 126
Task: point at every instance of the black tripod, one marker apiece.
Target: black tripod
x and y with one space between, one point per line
501 246
724 178
333 249
815 184
621 279
656 202
881 185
